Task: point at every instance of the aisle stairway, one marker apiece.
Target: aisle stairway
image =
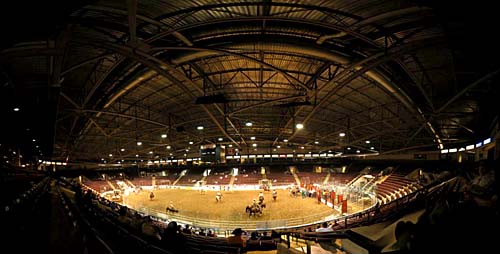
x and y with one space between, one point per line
327 178
178 179
297 179
231 181
111 185
130 183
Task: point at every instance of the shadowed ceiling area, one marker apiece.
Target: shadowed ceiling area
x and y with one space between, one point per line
96 77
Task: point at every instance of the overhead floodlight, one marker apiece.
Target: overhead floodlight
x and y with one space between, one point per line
200 128
461 149
372 148
254 145
252 138
163 135
139 143
453 150
122 150
16 109
249 124
469 147
368 141
136 155
278 147
168 147
299 126
191 142
150 152
479 144
444 151
285 140
110 155
342 134
316 142
34 140
302 147
230 145
348 148
358 151
220 139
487 141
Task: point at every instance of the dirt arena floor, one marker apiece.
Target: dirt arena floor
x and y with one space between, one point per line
232 208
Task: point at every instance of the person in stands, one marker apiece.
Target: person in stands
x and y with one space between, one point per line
324 228
237 238
172 239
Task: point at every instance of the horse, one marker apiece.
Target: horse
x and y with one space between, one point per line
151 196
172 210
253 210
218 198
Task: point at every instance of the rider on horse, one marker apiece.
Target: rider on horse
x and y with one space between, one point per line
255 208
218 196
275 195
151 195
261 197
171 208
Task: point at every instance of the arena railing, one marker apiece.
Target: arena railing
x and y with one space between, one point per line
198 220
365 216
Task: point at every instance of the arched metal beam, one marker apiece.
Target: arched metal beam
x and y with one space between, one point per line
229 53
238 4
80 64
161 67
376 60
121 115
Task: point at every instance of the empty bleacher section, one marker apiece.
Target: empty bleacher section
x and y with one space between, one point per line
395 185
248 179
13 183
218 178
311 177
166 180
97 185
190 179
281 178
342 178
142 181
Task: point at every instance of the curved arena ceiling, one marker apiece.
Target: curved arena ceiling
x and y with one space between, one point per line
95 78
